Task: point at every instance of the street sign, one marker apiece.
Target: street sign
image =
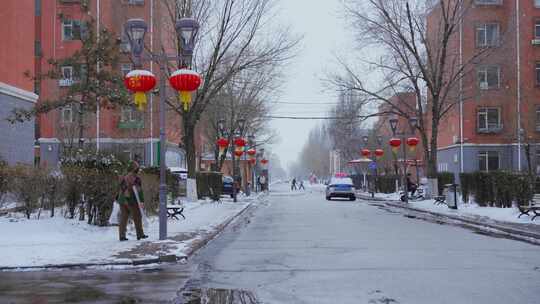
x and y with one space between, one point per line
373 166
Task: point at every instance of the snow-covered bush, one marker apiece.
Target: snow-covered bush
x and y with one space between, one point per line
28 186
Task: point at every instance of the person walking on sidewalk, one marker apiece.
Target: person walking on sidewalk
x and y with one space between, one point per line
130 198
293 184
301 187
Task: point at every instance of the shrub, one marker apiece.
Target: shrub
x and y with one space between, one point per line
466 186
150 185
207 181
444 178
4 180
387 183
28 186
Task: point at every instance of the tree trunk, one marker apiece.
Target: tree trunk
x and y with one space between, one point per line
432 153
189 143
81 126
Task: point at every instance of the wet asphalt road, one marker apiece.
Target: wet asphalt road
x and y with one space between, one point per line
303 249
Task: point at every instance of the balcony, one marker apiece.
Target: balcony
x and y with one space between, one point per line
134 124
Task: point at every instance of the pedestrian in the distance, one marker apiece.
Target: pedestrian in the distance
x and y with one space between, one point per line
301 187
293 184
130 197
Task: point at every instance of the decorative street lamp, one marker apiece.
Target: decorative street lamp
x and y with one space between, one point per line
139 81
395 143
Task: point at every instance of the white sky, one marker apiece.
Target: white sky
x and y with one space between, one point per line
325 34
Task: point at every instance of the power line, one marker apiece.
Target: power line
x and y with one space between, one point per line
313 117
304 103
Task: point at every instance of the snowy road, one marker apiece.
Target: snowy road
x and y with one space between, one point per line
302 249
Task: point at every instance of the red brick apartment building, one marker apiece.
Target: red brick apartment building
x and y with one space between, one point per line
16 90
499 113
57 35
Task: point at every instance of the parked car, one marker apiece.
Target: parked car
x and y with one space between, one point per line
179 172
341 187
228 184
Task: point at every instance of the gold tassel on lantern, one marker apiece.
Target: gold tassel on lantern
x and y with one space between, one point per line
185 98
140 100
395 150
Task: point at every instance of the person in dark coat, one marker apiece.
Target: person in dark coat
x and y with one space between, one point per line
293 184
130 197
410 185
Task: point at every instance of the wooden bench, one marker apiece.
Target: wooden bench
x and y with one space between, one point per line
533 207
174 210
440 200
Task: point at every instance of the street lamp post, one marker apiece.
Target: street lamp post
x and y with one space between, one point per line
135 30
237 131
413 124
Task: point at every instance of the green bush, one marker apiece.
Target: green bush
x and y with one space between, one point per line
444 178
387 183
466 185
497 189
28 185
207 181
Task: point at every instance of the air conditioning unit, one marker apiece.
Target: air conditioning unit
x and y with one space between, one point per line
535 42
484 86
65 82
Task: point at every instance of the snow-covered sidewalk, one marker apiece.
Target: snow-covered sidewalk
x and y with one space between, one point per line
55 241
471 210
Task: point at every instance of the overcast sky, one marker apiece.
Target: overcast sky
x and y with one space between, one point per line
324 34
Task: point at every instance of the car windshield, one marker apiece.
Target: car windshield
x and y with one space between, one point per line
345 181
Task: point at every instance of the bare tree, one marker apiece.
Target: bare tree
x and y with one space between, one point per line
418 46
236 36
247 97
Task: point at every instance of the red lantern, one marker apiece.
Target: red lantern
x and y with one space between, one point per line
379 153
366 153
412 142
395 143
240 142
251 152
264 161
252 161
139 82
239 152
222 143
186 82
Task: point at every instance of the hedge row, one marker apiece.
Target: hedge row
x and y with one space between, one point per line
496 189
79 189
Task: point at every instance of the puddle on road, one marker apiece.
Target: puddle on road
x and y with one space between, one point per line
218 296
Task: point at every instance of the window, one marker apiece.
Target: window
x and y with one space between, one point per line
72 30
126 68
67 114
136 2
125 47
37 6
537 29
489 120
37 48
489 77
129 114
538 118
537 3
487 35
488 161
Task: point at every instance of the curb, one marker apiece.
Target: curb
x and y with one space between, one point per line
169 258
509 230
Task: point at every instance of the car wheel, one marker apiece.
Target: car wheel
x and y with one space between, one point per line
328 198
352 198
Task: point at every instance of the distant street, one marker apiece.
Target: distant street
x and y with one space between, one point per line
300 248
